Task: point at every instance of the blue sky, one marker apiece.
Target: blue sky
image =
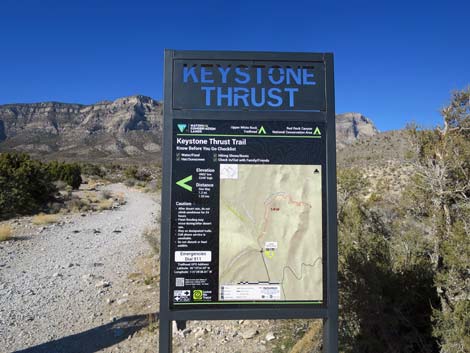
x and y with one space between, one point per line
395 62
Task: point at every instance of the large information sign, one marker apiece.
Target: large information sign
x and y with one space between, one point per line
248 218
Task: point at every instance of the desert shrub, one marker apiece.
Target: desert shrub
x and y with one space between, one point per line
131 172
5 232
25 185
154 185
93 170
106 194
386 296
130 182
79 205
139 174
61 185
69 173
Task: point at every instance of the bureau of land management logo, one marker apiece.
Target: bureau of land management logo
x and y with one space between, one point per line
197 295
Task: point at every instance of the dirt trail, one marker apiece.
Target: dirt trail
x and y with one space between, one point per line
58 285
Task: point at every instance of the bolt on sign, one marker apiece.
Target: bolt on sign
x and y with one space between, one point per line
249 189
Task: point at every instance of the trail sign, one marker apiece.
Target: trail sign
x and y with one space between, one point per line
249 189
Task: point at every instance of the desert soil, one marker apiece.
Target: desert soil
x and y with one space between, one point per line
60 282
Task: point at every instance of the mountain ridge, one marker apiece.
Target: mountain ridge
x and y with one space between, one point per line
128 127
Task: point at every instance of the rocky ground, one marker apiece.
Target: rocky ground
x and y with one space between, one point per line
89 283
61 285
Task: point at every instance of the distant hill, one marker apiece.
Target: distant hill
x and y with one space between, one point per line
127 129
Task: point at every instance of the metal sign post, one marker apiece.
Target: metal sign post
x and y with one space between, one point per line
249 189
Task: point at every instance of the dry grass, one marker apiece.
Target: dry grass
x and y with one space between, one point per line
44 219
152 235
95 201
120 198
148 267
311 341
105 204
5 232
78 205
95 183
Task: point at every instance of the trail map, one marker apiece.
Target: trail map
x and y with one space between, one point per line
270 233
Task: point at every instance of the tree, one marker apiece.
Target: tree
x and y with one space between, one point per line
383 307
441 197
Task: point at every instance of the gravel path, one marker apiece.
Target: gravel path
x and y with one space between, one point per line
57 284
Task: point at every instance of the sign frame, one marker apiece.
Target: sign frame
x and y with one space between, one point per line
328 311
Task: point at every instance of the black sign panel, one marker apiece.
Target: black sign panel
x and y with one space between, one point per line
246 219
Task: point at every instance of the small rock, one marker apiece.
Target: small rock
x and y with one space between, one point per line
57 274
122 301
270 336
186 332
75 231
102 284
200 333
109 301
250 333
87 276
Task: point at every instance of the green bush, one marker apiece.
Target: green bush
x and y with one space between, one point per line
131 172
69 173
25 185
93 170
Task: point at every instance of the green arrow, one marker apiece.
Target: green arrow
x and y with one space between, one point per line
317 131
183 182
261 130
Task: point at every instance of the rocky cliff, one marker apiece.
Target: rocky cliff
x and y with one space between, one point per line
353 126
128 128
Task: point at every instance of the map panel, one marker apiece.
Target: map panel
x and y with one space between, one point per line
270 233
